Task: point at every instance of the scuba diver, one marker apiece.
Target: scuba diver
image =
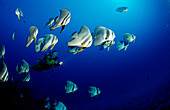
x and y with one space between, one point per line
47 62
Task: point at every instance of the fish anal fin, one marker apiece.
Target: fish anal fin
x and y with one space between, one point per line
108 48
35 39
81 49
62 29
18 17
52 46
125 48
74 53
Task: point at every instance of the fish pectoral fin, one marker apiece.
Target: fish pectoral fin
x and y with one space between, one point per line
52 46
62 29
3 57
35 39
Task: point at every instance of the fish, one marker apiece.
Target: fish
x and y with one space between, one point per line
19 13
70 87
4 75
22 68
103 37
63 20
13 36
47 105
50 22
122 9
83 39
2 52
121 45
49 40
26 77
93 91
60 106
39 45
129 38
32 36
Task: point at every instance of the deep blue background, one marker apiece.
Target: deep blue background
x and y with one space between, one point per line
124 77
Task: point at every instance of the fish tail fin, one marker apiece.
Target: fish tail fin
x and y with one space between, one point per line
62 29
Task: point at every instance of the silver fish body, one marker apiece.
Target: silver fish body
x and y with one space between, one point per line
4 72
70 87
22 68
63 20
128 37
32 36
49 40
2 51
93 91
122 9
60 106
19 13
102 35
83 39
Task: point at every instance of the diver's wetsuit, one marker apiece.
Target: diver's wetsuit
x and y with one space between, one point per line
46 63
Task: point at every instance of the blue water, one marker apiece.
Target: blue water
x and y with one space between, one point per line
137 78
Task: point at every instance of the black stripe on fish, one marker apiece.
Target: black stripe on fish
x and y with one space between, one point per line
85 41
107 34
5 74
64 19
73 88
52 40
67 19
97 91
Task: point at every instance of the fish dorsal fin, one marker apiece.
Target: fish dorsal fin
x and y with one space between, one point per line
64 12
69 82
